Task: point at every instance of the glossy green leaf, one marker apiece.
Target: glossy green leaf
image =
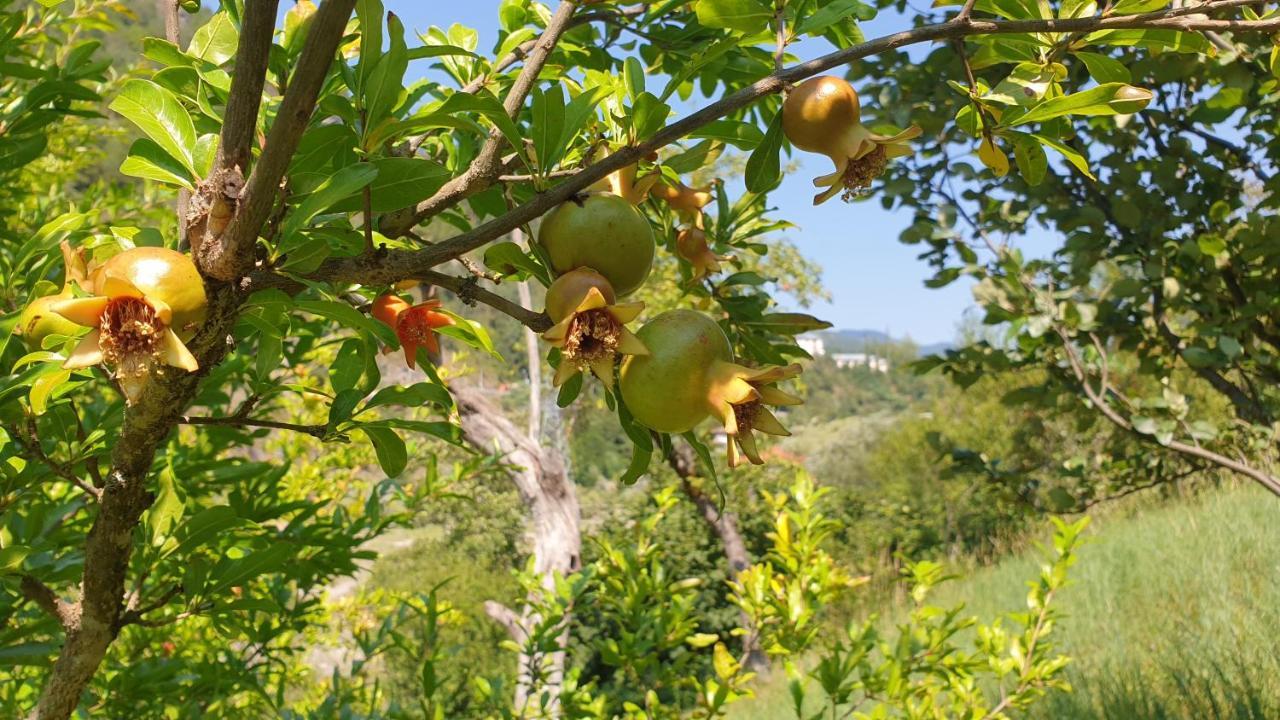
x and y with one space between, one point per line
742 15
764 168
160 116
1104 69
390 449
149 161
216 40
400 183
1107 99
342 184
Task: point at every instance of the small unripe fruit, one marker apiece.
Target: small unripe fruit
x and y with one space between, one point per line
590 327
603 232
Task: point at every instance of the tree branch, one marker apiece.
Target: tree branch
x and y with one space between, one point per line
395 265
484 169
170 11
234 253
316 431
43 596
469 291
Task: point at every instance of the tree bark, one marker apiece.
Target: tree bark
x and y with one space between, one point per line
554 525
725 525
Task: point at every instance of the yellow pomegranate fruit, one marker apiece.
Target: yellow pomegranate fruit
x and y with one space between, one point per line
666 390
685 201
590 328
37 320
603 232
823 115
147 302
691 245
415 325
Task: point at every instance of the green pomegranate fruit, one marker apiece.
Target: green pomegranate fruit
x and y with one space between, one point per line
603 232
667 390
38 322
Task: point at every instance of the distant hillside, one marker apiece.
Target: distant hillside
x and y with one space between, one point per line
858 340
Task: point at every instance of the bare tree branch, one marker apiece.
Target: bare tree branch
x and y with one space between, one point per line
395 265
233 255
469 290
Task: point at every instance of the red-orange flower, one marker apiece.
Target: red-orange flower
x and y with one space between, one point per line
415 325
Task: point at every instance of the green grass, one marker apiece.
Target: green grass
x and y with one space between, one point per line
1174 612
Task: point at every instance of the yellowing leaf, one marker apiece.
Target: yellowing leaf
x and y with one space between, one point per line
993 157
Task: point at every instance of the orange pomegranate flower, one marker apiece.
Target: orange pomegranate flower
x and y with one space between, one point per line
415 325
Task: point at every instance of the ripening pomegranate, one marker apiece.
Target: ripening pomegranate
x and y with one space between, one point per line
148 301
37 320
603 232
666 390
590 327
823 115
689 374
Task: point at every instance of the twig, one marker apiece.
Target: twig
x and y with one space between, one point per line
780 30
134 617
28 438
469 291
235 254
474 268
172 32
316 431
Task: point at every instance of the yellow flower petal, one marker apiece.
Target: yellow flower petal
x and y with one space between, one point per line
82 311
163 312
113 287
771 395
175 353
564 372
626 312
765 422
603 368
86 354
558 332
593 301
629 344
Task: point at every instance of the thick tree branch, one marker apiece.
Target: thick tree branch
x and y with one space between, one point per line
485 168
233 255
395 265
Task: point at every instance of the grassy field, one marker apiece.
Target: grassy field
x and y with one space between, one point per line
1174 613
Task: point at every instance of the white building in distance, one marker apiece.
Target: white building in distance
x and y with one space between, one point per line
812 344
852 360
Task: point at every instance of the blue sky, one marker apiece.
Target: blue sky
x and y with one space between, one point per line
875 281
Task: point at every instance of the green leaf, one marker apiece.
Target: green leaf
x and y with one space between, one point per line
1030 157
746 16
491 109
470 332
343 183
44 387
788 323
834 12
236 573
764 168
648 115
1137 7
166 511
1073 157
1107 99
548 118
34 654
347 365
350 317
742 135
415 395
569 390
385 88
160 116
11 557
400 183
1104 69
508 258
17 152
216 40
203 527
149 161
390 448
